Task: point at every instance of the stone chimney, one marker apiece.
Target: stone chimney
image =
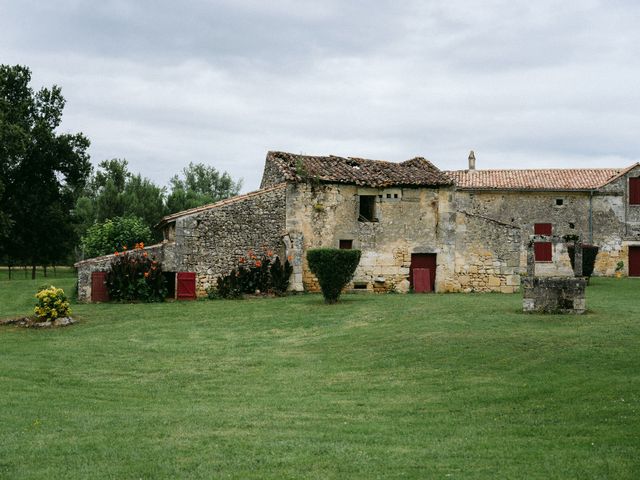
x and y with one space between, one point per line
472 160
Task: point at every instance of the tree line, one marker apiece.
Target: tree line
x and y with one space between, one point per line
55 208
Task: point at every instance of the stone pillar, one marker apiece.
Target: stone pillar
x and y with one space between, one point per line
531 260
577 261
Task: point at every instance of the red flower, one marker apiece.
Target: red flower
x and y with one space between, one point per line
258 263
146 274
241 260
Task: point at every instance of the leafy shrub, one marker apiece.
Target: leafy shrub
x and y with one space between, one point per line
334 268
52 304
134 275
118 233
589 253
280 274
265 275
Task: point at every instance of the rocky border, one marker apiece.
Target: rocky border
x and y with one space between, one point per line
30 322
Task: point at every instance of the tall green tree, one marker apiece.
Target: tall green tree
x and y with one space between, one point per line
200 184
115 192
44 171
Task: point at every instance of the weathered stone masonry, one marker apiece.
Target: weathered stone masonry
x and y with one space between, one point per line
210 241
475 231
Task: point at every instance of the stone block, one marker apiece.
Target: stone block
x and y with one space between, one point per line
493 281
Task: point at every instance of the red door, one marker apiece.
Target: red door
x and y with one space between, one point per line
186 283
427 263
99 292
634 261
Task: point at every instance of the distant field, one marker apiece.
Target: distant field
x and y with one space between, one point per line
378 386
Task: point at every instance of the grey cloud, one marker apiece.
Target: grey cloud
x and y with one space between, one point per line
164 83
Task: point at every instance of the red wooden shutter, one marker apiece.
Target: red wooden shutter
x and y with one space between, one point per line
543 250
99 292
634 191
186 286
542 228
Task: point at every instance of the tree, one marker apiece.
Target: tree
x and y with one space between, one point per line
115 192
200 184
44 171
115 234
334 268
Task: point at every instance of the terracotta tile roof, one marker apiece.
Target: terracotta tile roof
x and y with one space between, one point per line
358 171
221 203
544 179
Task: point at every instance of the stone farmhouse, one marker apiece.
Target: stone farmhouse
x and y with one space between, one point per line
461 231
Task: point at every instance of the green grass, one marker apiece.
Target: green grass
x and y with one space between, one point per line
387 386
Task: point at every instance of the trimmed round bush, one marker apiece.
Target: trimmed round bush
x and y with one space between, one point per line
334 268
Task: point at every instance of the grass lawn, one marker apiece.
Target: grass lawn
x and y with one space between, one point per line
378 386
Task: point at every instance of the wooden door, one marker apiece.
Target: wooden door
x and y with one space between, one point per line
634 261
186 286
427 262
99 292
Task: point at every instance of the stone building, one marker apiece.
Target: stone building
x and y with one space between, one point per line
449 231
601 206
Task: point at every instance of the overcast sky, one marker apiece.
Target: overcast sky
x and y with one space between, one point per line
526 84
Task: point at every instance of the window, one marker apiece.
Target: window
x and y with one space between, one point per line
367 208
559 202
542 250
634 191
346 244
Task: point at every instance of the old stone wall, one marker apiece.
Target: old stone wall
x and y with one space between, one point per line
407 220
102 264
599 217
487 255
211 242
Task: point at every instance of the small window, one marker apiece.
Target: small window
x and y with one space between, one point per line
367 208
346 244
379 196
572 225
360 286
388 195
559 202
395 195
634 191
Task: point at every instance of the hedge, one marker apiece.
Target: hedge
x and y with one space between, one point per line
334 268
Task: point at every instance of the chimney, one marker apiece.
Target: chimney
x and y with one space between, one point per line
472 160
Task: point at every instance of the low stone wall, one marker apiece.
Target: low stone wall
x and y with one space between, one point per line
101 264
554 294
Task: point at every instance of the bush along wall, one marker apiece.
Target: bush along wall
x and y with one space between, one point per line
266 274
136 276
334 269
